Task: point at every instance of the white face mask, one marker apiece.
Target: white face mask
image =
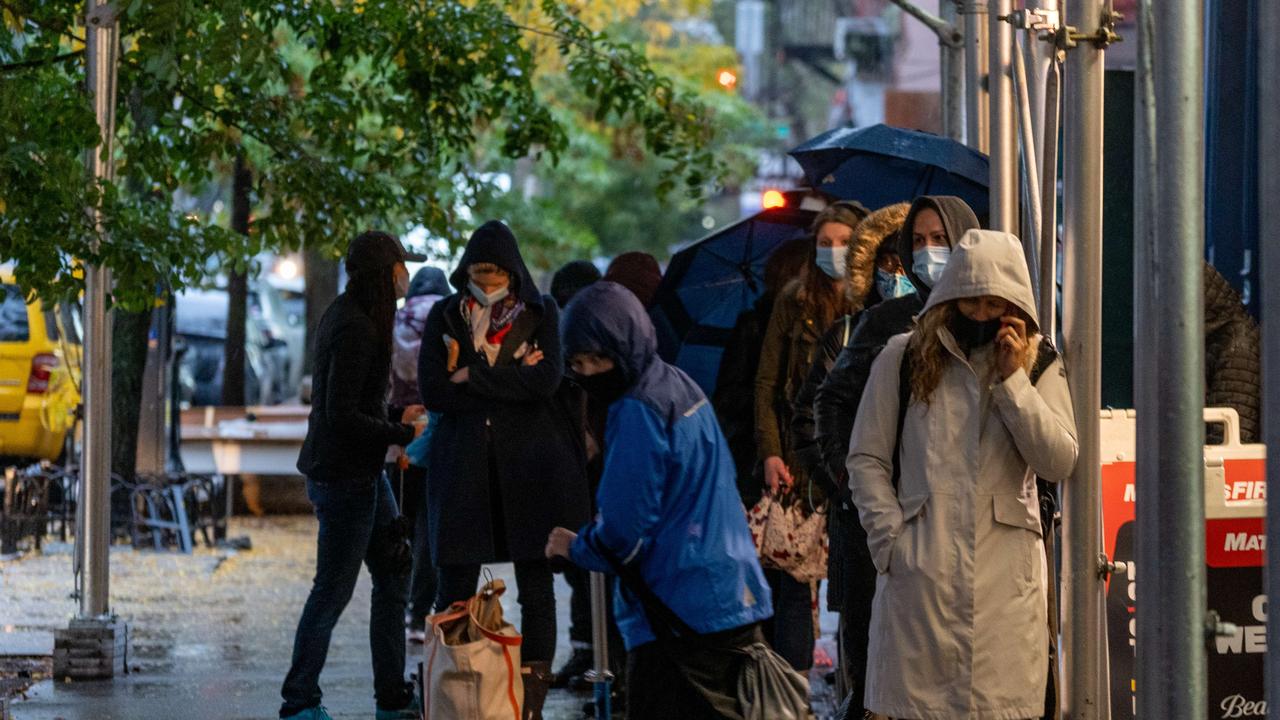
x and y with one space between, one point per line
832 261
487 299
929 262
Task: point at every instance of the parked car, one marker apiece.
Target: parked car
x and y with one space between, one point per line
39 374
200 326
267 304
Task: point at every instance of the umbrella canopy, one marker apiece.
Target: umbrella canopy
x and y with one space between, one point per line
881 165
710 283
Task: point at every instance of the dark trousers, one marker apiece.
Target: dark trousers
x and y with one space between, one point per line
658 688
347 515
412 500
790 631
535 591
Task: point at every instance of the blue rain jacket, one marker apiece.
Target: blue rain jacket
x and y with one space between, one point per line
668 499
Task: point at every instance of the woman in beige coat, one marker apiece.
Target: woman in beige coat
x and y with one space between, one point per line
958 625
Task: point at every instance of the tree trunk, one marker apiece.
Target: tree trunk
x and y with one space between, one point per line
233 375
129 332
321 289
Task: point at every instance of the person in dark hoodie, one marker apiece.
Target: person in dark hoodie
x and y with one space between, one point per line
506 465
429 284
348 432
570 278
668 508
933 226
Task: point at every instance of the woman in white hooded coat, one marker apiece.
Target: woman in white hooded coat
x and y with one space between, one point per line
959 626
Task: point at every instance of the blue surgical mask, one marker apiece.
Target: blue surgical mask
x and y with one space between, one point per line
487 299
929 262
832 261
893 285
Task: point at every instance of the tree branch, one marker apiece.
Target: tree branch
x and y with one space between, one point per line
28 64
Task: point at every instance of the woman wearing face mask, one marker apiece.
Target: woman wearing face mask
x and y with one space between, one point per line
947 494
803 311
924 242
348 433
505 465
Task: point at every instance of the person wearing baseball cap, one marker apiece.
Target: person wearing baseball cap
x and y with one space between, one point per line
348 433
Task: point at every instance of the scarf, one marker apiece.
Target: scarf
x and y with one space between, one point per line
490 325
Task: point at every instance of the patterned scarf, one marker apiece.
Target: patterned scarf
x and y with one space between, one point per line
490 325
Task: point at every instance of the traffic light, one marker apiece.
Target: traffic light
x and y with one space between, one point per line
773 199
727 78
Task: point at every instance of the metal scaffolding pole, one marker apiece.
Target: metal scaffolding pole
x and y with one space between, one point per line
1146 390
976 97
1084 621
1032 207
101 41
1004 139
951 51
1172 673
1269 217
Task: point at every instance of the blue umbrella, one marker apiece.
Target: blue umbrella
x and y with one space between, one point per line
881 165
710 283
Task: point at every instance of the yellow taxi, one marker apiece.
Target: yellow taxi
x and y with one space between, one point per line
39 374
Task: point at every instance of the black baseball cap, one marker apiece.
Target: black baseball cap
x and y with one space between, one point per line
376 249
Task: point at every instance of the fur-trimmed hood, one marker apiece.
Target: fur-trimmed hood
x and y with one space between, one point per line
881 225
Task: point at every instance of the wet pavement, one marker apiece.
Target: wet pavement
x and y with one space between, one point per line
212 632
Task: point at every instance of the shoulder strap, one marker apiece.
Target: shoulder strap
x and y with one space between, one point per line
904 400
1048 354
844 338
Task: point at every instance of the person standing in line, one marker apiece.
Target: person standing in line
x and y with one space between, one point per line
505 464
429 284
947 494
638 272
806 308
348 432
667 507
932 226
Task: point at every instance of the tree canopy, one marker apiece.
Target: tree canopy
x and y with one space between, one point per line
350 113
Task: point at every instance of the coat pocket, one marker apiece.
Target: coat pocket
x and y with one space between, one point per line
1010 511
912 508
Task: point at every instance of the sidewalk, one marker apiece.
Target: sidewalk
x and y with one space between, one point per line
211 632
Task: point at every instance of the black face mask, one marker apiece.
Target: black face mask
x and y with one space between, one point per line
971 334
606 387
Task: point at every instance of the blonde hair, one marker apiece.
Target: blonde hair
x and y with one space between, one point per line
929 358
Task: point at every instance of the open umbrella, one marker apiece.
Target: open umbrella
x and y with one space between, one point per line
711 282
881 165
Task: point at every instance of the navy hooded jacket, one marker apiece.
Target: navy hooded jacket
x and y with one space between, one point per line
668 499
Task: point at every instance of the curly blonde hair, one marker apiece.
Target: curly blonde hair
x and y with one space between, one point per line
929 358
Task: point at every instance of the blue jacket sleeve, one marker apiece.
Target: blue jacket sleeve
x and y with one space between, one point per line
630 495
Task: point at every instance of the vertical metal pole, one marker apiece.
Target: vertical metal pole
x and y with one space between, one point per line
101 40
1038 56
601 677
1083 620
975 73
1175 609
1147 381
1049 205
1269 217
951 52
1031 239
1004 143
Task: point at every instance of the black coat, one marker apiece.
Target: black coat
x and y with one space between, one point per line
348 430
503 445
1233 366
734 396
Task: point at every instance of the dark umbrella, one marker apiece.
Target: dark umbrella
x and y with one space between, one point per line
711 282
881 165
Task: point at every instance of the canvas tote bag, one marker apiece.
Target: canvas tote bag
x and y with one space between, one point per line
472 665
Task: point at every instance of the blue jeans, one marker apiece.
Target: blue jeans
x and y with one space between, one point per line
348 514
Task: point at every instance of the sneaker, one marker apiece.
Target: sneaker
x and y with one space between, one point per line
413 711
316 713
579 663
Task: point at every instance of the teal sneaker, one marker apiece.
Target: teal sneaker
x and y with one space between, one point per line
412 712
316 713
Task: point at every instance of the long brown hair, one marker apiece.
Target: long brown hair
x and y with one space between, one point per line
929 358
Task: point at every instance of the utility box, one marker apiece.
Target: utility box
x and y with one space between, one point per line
1235 540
